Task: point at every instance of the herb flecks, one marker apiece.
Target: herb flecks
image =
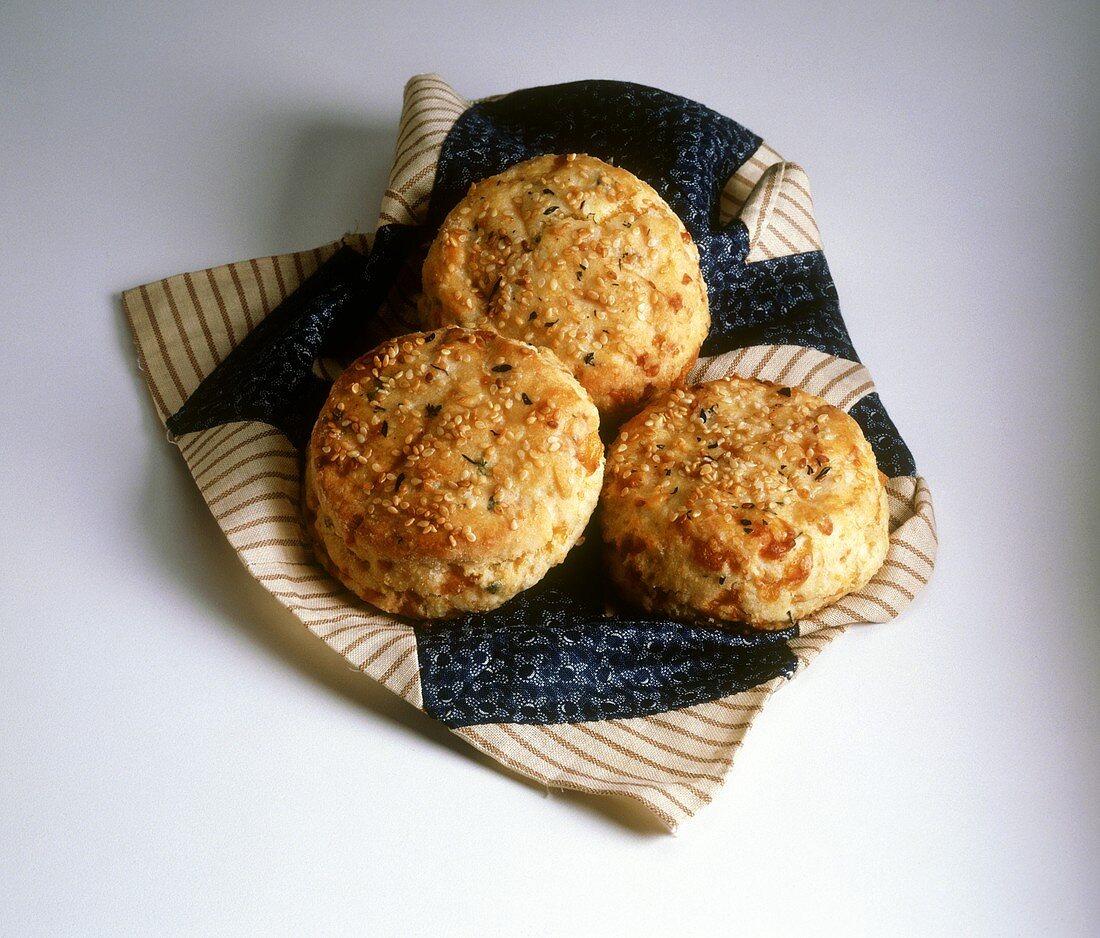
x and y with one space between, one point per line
433 409
480 464
590 358
786 392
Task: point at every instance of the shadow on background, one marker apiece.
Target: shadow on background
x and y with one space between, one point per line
330 167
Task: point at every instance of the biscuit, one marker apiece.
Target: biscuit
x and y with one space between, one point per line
742 500
581 257
450 470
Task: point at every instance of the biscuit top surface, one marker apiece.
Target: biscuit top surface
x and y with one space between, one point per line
582 257
455 443
742 468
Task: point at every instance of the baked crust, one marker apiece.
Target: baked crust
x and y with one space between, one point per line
581 257
450 470
742 500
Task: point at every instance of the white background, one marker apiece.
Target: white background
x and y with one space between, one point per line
177 755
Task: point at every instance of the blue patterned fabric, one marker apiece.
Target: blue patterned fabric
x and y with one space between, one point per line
269 375
550 654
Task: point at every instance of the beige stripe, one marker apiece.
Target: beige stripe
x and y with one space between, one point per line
214 439
201 440
263 497
917 552
223 311
251 458
762 367
801 188
323 594
393 668
254 266
921 578
765 207
842 605
280 282
523 769
297 607
143 364
864 596
705 740
377 653
397 197
418 124
728 705
893 584
855 394
185 340
245 307
287 578
824 363
803 208
617 771
272 542
410 183
638 757
161 346
416 154
796 359
833 382
435 81
618 774
446 104
212 500
719 724
256 522
664 747
787 243
201 316
299 268
360 622
218 455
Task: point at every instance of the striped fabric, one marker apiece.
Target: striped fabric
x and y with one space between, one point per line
779 214
250 477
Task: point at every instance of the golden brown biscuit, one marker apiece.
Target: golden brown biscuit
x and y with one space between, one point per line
742 500
450 470
576 255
